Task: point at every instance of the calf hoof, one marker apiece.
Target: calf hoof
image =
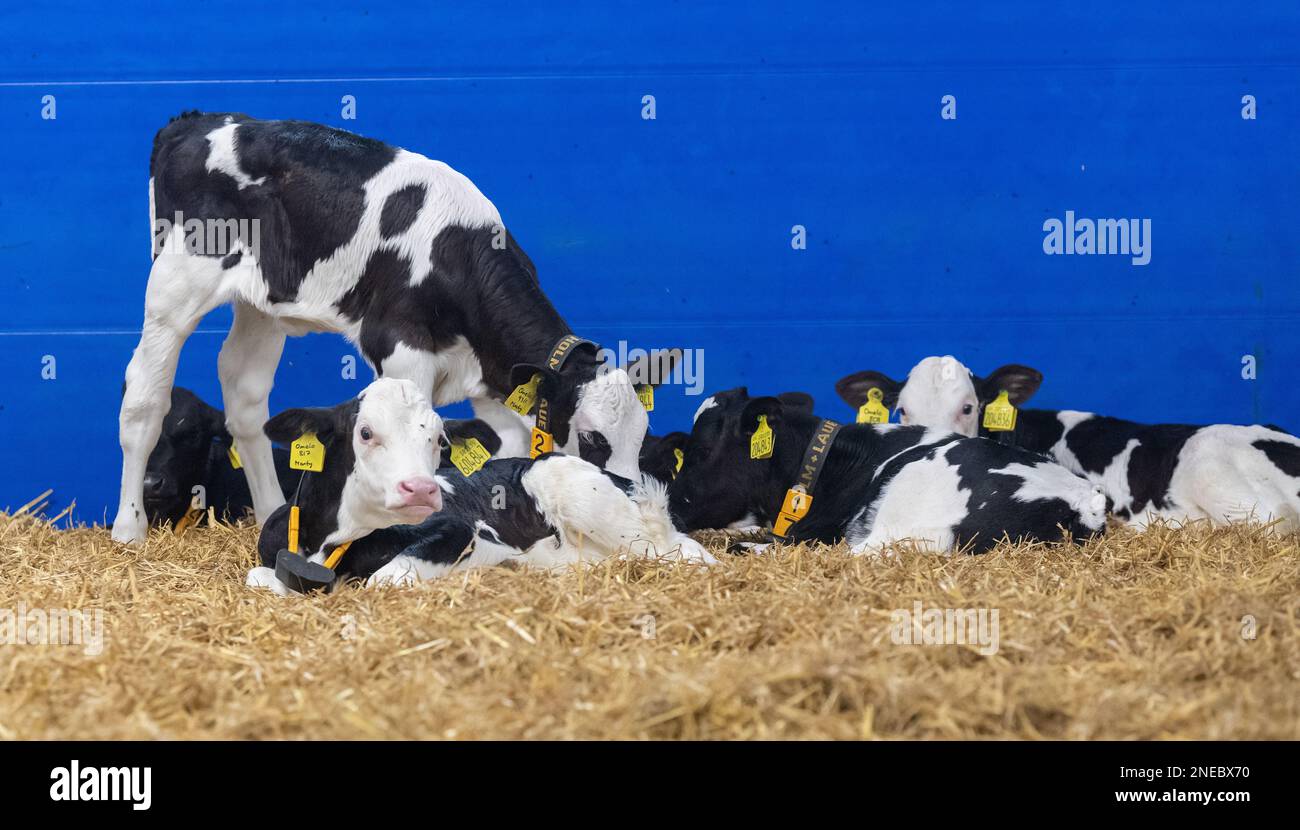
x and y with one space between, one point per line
401 570
262 577
128 529
689 550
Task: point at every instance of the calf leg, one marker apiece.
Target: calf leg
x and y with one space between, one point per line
247 368
182 288
449 545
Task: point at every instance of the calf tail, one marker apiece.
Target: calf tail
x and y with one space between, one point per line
651 498
1090 513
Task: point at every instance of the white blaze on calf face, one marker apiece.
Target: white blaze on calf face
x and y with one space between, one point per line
939 394
395 439
609 405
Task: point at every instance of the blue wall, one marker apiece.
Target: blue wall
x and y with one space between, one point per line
924 235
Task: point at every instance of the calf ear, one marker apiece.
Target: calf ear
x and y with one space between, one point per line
797 402
855 387
214 421
522 373
464 429
654 368
657 452
291 423
769 406
1019 382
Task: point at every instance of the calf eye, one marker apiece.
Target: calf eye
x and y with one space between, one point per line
366 434
966 410
902 413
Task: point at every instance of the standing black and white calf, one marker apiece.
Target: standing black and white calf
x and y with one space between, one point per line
878 484
548 512
1223 473
305 228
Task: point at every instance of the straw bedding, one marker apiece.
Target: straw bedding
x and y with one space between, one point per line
1132 636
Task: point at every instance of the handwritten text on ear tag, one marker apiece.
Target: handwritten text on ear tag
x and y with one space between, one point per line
525 395
469 456
873 411
762 441
647 395
1000 416
307 453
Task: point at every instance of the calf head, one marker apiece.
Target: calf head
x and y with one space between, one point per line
720 483
382 450
594 408
941 393
193 434
660 453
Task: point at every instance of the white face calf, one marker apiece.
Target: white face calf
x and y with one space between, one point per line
940 393
381 454
609 406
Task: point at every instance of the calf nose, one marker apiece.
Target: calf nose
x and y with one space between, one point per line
153 485
420 491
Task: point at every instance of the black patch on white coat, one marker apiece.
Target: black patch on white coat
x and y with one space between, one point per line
1284 455
400 209
1098 440
309 205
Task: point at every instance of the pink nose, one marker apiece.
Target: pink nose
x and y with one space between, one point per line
420 491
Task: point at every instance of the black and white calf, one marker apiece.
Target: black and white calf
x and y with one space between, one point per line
195 457
548 512
333 232
1223 473
878 484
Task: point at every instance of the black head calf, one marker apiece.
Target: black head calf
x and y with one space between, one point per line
193 464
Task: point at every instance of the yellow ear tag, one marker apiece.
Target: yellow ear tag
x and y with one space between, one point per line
469 456
647 395
873 411
1000 416
681 459
762 441
542 443
525 395
796 505
233 455
307 453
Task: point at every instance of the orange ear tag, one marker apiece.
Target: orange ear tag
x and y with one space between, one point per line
796 505
542 443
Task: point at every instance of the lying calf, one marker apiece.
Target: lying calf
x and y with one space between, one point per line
1223 473
871 485
662 457
195 462
549 512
